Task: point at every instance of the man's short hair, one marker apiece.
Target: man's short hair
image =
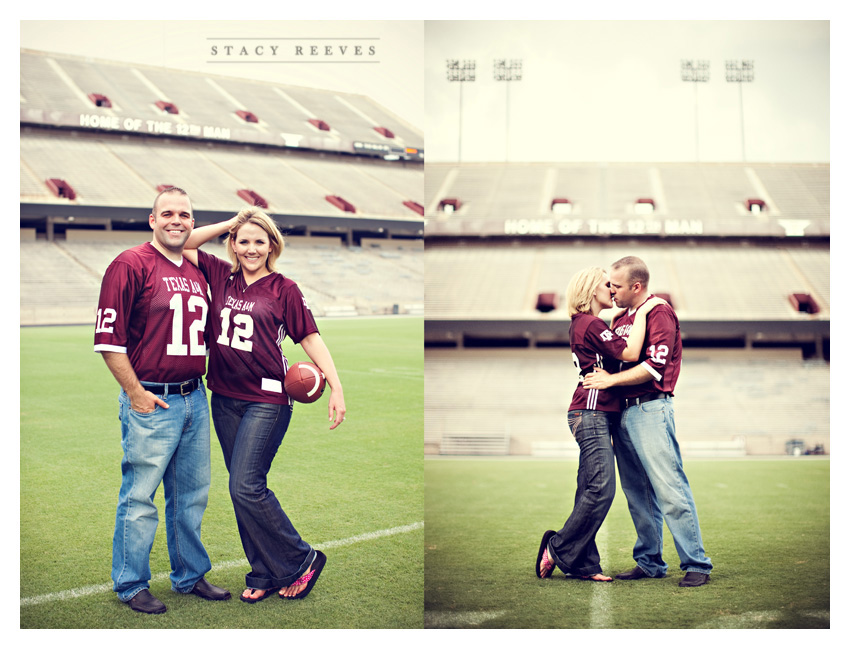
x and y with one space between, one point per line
638 272
170 190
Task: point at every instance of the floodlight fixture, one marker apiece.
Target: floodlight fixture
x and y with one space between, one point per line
507 70
696 72
741 72
457 70
460 72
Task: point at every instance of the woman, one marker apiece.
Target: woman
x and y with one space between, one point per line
593 415
252 308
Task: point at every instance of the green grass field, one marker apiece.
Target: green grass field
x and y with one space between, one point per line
355 492
765 526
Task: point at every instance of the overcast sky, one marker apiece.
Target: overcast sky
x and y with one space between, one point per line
392 76
590 90
612 91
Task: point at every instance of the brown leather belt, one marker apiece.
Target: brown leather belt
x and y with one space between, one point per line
183 389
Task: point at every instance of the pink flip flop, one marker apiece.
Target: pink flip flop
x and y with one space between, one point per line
310 578
540 554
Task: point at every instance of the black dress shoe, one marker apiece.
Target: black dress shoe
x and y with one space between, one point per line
635 573
205 589
144 602
693 579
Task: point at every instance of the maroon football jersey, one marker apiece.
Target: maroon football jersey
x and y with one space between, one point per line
247 326
661 355
593 344
155 312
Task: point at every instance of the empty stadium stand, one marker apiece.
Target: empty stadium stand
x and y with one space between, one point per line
59 90
705 282
687 199
728 403
109 172
341 175
99 138
60 280
741 251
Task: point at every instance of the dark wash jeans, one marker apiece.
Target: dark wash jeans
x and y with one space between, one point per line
250 434
573 547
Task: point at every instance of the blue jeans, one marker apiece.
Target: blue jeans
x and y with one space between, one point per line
657 490
169 446
573 547
250 434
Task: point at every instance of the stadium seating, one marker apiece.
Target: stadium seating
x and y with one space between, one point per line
55 288
61 83
292 184
493 280
709 198
100 138
60 280
114 133
728 402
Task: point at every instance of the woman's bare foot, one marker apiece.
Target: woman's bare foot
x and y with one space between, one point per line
253 593
598 577
297 586
289 592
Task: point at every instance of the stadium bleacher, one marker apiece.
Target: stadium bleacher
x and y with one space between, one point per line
728 402
502 280
55 90
292 185
341 175
740 250
703 199
60 280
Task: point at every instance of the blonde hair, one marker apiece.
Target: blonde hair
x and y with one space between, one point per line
581 289
257 217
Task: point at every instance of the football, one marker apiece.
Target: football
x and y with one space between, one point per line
304 382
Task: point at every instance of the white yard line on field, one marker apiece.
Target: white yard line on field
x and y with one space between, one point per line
105 588
459 619
599 608
600 613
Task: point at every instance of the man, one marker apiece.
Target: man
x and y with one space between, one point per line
150 331
648 458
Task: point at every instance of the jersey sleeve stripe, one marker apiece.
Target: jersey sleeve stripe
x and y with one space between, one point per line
110 348
651 370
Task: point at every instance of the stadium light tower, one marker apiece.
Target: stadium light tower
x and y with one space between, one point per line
740 72
696 72
507 70
460 72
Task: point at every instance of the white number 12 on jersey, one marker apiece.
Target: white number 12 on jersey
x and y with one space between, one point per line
104 325
177 347
241 332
